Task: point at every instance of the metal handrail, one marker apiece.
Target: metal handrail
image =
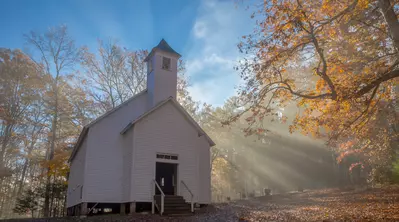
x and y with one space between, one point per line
92 208
192 195
162 198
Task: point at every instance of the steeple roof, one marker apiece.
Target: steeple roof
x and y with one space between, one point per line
163 46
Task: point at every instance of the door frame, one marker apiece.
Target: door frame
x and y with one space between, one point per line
174 162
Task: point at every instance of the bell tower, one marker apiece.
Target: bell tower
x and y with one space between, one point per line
161 73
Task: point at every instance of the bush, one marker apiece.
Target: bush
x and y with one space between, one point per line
27 203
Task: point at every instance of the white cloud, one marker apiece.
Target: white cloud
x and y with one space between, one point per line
213 53
214 78
199 30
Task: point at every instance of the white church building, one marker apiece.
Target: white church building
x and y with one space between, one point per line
148 151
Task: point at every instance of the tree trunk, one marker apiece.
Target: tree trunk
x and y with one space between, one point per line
46 209
24 169
2 198
52 198
26 164
64 206
391 19
9 199
7 134
21 181
51 152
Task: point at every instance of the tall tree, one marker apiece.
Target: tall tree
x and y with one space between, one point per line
115 74
32 131
337 60
56 52
19 82
20 87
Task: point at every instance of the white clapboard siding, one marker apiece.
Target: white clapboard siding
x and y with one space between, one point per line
161 83
204 172
76 176
105 156
166 130
127 164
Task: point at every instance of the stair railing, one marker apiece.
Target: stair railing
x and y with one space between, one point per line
162 198
192 196
92 208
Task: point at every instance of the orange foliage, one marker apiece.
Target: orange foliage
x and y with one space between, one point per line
58 166
337 60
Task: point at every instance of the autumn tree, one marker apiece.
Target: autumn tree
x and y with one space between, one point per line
337 60
230 168
32 132
115 74
56 53
19 82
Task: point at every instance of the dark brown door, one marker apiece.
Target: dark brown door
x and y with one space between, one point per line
165 175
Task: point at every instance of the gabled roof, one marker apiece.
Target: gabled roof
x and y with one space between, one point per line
86 128
162 46
82 135
180 108
116 108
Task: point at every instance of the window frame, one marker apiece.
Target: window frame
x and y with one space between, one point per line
164 58
167 156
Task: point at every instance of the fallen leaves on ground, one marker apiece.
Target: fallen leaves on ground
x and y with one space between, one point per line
327 205
316 205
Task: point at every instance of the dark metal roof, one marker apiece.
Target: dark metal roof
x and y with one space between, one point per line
163 46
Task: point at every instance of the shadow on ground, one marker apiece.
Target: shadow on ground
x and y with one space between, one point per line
316 205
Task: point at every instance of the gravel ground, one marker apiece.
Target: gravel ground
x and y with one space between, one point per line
319 205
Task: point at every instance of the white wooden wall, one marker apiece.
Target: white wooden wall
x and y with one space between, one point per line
166 130
76 176
105 154
118 168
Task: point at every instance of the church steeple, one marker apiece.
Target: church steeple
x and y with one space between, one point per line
162 46
161 73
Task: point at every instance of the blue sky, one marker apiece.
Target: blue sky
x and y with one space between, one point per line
204 32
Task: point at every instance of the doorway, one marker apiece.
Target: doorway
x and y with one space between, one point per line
166 177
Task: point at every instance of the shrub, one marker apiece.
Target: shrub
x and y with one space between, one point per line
27 203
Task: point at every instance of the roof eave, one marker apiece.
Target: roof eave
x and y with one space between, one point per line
86 128
177 55
131 124
78 143
115 109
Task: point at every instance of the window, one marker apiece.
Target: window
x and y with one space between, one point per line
166 63
160 156
167 156
81 192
